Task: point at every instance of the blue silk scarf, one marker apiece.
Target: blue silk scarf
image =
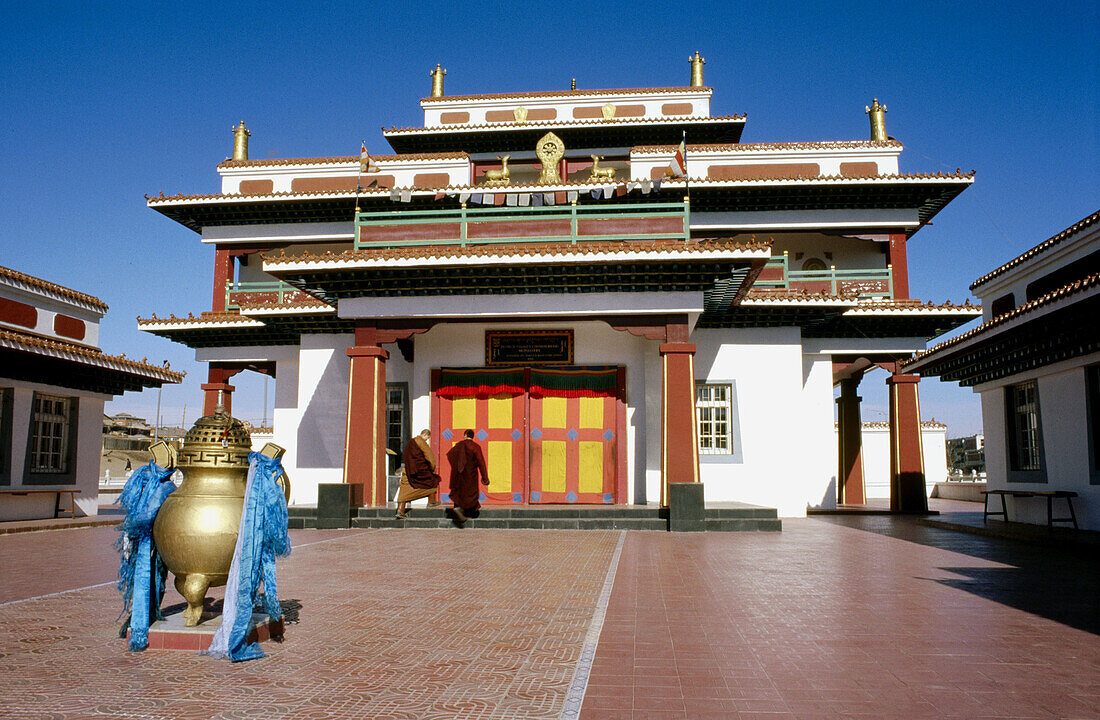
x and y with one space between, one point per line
141 573
262 538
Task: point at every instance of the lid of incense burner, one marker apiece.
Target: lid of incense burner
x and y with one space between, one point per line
216 440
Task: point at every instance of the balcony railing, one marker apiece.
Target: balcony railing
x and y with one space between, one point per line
570 223
257 292
878 283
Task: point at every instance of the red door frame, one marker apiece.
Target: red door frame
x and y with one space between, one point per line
620 485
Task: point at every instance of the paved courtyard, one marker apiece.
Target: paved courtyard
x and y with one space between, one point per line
838 617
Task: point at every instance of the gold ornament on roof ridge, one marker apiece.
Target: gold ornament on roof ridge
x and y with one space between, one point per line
240 142
437 80
697 63
550 150
877 115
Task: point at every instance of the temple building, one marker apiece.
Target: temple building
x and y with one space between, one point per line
54 382
614 292
1035 362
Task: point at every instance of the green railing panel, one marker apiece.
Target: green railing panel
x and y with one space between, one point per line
835 278
462 217
276 287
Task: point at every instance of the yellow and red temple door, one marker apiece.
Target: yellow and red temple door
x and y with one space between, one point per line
550 435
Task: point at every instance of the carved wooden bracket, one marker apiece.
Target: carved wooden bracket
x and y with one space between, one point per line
374 335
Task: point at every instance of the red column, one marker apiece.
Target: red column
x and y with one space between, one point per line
850 441
679 446
218 390
895 256
223 273
907 493
365 438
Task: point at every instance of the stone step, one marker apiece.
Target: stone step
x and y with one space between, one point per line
530 512
484 522
748 512
721 517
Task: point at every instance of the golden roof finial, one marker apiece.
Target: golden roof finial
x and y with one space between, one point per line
877 113
697 63
573 85
240 142
437 80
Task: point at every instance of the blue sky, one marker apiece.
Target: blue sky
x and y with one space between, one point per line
106 102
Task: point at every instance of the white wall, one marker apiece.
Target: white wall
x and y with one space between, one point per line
313 429
89 446
48 308
1063 418
781 400
876 458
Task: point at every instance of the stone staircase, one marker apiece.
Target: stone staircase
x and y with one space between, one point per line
720 517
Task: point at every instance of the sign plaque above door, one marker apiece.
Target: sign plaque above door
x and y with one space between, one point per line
529 347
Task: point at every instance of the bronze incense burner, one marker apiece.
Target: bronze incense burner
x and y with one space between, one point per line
196 528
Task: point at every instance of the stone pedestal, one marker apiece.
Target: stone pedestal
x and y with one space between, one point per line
172 634
333 505
686 510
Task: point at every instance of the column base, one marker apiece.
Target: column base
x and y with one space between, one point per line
686 509
334 501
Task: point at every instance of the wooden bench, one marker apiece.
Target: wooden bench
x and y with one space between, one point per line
1050 495
57 509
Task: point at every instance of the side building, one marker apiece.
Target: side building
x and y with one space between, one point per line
54 381
612 312
1035 361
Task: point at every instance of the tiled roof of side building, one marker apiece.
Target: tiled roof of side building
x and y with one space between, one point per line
1074 288
1040 248
83 354
343 159
550 124
216 318
567 94
14 276
858 305
750 147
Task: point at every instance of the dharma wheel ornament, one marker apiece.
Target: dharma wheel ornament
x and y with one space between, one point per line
550 150
197 526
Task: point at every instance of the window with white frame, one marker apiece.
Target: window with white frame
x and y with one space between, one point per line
715 416
50 426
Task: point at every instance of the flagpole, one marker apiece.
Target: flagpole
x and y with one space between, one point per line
687 183
359 178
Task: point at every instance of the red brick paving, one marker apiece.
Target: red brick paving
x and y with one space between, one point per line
864 618
827 621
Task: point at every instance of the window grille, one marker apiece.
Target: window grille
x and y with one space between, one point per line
714 416
397 424
50 434
1024 431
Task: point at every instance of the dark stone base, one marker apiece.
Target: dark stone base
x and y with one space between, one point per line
333 505
686 511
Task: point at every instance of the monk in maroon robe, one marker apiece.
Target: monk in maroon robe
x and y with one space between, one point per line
418 478
467 462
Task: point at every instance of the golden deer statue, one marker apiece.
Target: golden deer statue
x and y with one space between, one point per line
499 177
597 172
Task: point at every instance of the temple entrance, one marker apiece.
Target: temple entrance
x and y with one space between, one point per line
550 434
